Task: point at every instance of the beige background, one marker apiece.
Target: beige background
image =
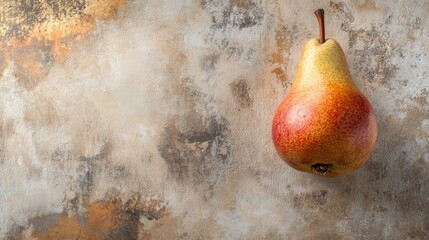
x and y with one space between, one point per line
152 119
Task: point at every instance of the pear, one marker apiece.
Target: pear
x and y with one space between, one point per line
324 125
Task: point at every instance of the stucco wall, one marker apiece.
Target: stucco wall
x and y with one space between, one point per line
152 120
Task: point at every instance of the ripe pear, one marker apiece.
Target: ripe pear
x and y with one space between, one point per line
324 125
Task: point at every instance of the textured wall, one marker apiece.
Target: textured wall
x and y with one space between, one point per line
152 120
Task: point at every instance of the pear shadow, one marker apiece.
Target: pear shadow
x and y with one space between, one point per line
390 188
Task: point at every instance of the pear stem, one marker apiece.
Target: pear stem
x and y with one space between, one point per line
320 17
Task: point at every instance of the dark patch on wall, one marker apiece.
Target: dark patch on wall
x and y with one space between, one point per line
235 52
112 218
82 179
203 3
118 172
194 154
228 17
195 147
62 8
242 17
234 15
14 233
36 34
27 13
89 169
240 92
208 62
59 158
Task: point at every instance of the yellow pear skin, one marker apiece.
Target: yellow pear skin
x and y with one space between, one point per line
325 125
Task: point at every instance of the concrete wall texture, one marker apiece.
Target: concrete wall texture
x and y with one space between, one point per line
147 119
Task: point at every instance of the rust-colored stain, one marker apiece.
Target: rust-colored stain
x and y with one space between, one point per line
367 5
278 58
337 6
240 92
105 219
422 97
36 34
241 3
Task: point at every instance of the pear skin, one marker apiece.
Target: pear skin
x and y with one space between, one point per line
325 125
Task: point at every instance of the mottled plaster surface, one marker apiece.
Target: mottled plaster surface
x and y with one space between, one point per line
152 119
